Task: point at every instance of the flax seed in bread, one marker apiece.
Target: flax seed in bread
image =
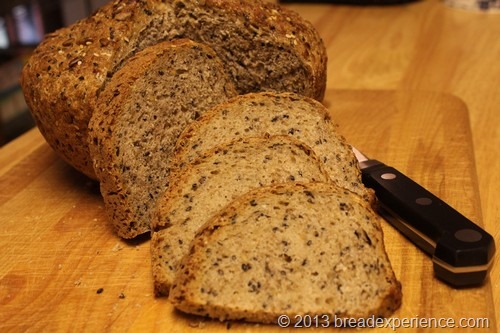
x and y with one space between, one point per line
263 47
291 249
146 105
267 113
211 182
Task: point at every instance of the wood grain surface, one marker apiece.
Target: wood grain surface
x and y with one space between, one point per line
63 269
425 45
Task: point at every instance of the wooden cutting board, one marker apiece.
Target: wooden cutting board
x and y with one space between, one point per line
63 269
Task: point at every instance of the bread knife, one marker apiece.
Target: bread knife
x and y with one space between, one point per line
462 252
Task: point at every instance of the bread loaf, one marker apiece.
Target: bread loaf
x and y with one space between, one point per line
146 105
211 182
267 113
289 249
263 47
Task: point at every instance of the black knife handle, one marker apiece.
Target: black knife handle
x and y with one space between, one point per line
462 252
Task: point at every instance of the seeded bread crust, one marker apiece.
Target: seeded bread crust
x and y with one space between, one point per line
263 46
267 113
289 249
211 182
147 103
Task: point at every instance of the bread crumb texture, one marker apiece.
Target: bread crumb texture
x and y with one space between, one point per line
213 181
290 249
147 104
267 113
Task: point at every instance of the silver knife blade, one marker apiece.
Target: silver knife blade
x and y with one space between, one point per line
461 251
359 155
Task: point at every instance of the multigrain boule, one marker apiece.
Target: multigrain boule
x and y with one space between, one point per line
262 45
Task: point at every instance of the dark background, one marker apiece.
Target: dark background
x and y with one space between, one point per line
23 23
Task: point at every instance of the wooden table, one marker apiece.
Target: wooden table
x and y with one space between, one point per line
425 45
392 75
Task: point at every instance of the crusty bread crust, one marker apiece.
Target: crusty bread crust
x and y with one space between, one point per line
67 71
289 249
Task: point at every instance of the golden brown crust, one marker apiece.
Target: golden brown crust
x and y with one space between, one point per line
63 78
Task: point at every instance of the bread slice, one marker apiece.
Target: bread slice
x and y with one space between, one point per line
144 108
213 181
262 45
267 113
289 249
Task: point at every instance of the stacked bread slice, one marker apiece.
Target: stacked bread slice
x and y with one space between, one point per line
222 174
179 153
292 250
265 214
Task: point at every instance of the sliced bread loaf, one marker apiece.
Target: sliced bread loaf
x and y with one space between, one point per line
259 114
211 182
289 249
262 45
144 107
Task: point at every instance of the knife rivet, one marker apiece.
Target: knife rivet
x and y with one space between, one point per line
388 176
468 235
423 201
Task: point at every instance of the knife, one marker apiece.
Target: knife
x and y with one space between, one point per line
462 253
